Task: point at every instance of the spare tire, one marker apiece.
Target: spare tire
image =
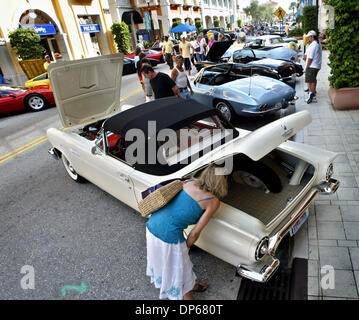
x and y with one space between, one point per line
260 171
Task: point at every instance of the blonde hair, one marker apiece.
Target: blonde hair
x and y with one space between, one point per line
212 182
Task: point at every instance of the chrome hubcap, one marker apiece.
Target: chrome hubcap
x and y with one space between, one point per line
224 109
36 103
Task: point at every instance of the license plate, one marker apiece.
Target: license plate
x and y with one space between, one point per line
299 223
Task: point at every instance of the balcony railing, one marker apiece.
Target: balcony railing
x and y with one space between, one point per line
188 2
144 3
177 2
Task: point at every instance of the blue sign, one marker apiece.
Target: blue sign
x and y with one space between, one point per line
41 29
147 20
92 27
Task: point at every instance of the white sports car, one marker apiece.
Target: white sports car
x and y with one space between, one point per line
272 180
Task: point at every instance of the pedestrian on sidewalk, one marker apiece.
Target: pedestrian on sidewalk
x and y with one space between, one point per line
137 59
179 76
167 49
199 48
185 50
146 82
47 62
162 85
313 58
168 261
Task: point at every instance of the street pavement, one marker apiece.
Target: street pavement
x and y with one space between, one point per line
332 229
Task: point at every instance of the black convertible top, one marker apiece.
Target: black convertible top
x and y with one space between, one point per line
171 112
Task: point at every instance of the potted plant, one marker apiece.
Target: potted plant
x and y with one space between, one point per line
121 34
26 43
343 44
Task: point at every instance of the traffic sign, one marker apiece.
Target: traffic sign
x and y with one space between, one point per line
280 13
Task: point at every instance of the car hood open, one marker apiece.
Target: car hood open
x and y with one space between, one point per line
217 50
87 90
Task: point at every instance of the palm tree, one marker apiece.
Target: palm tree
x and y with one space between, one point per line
293 5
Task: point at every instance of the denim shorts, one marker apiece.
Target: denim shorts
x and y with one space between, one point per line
185 93
187 64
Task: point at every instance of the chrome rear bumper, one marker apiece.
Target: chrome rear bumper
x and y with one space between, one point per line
268 265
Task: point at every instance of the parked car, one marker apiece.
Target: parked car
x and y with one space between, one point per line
34 99
251 54
151 54
129 66
274 41
42 79
277 30
227 89
282 70
266 58
271 183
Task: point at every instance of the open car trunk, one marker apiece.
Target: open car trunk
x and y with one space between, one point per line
263 189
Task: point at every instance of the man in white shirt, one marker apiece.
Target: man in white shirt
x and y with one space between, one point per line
313 58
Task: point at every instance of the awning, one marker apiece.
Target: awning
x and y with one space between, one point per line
126 17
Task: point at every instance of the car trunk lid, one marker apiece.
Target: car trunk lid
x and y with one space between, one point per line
87 90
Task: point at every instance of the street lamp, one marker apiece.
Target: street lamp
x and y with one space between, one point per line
151 22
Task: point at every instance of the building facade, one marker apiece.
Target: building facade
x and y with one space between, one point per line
165 12
71 29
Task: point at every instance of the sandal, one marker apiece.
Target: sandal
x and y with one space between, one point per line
200 287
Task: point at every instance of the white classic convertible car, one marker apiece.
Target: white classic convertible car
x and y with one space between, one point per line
272 180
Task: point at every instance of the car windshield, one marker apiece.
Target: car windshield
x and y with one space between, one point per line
277 40
42 77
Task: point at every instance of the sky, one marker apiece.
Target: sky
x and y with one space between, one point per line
282 3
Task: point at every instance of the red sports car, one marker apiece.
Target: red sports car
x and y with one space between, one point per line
15 99
152 54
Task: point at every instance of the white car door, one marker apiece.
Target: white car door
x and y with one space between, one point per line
112 175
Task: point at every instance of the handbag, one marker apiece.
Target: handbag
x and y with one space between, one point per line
198 49
159 198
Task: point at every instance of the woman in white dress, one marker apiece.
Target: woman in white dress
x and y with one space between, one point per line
168 262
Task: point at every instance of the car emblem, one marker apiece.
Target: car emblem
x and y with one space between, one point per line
287 132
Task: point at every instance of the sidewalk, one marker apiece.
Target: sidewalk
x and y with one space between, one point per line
333 225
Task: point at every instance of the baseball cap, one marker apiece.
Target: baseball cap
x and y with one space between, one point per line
311 33
183 36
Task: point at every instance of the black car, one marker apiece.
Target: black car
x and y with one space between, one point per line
248 56
130 67
282 70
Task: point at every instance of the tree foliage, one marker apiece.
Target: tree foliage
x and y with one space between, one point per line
26 43
198 24
309 18
239 23
343 43
258 12
216 23
121 34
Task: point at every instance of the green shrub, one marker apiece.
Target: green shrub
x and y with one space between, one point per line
121 34
309 18
343 43
297 32
198 25
216 23
239 23
26 43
